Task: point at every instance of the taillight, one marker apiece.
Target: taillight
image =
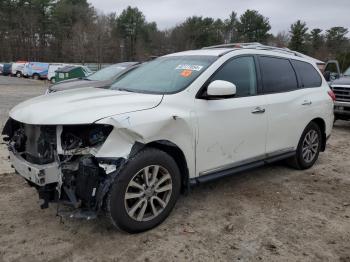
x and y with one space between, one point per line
332 95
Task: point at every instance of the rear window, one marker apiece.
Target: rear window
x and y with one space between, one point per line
309 77
277 74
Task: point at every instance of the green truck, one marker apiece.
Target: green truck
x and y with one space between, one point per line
71 72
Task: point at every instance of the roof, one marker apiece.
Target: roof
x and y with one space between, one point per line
66 69
259 46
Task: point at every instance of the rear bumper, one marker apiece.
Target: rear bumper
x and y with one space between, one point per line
40 175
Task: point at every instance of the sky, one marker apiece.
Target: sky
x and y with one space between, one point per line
281 13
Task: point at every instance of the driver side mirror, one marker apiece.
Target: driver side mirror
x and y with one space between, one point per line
220 88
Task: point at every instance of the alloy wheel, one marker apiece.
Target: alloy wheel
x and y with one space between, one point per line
148 193
310 146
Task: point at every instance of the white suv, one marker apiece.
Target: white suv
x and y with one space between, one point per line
179 120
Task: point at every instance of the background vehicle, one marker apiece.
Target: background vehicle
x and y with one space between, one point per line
17 68
7 69
101 78
1 68
179 120
52 71
36 70
340 84
71 72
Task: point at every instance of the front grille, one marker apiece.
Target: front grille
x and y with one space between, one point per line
342 93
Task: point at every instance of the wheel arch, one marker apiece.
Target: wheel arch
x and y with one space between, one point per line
177 154
322 125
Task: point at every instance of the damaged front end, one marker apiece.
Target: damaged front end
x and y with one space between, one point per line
61 163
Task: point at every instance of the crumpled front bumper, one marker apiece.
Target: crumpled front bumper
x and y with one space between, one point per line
40 175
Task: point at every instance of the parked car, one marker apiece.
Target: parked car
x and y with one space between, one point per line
17 68
1 68
71 72
101 78
7 69
179 120
340 84
36 70
52 71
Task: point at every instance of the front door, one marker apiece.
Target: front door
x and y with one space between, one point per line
232 131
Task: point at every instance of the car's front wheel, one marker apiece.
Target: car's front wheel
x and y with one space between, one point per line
308 148
144 192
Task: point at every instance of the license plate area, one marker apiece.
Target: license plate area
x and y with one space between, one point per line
40 175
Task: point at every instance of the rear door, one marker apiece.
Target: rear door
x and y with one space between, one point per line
287 105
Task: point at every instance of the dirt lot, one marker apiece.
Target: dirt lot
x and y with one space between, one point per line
270 214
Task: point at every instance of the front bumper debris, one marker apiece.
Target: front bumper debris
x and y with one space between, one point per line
40 175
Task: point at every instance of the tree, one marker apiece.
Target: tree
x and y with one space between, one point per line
298 32
198 32
230 28
253 27
336 39
130 25
71 19
280 40
316 38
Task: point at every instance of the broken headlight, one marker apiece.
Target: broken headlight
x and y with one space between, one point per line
83 136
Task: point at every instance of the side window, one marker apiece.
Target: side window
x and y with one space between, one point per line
241 72
277 74
308 75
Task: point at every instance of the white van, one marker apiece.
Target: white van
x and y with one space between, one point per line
17 68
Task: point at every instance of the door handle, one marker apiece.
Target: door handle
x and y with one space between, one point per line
258 110
306 103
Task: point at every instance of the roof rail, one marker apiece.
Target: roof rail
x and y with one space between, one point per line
255 45
232 45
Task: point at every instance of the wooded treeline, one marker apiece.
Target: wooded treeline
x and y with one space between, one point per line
74 31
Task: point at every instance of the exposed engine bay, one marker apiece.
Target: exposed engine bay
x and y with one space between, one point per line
60 162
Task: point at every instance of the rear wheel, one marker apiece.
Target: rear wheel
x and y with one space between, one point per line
144 192
36 77
308 148
18 74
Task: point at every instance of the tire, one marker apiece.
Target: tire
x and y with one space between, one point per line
53 80
121 201
303 160
36 77
18 74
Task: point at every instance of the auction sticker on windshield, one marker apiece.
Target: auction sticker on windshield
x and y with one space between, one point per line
186 73
189 67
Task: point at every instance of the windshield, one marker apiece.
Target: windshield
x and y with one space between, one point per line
107 73
347 72
164 75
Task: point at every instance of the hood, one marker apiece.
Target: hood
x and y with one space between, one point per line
77 83
344 80
81 106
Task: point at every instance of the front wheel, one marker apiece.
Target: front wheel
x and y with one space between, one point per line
144 192
308 148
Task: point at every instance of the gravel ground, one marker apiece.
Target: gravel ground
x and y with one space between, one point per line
270 214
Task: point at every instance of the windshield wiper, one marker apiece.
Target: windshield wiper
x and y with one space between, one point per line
126 90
